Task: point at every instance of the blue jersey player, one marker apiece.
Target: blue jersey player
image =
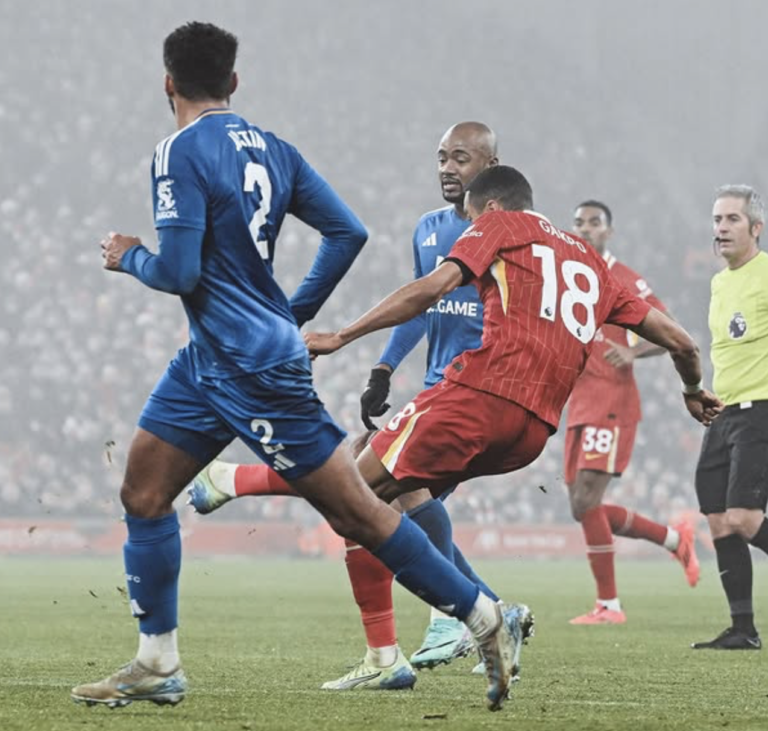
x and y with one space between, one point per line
221 189
452 325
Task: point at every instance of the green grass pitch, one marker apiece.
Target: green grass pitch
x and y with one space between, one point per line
259 637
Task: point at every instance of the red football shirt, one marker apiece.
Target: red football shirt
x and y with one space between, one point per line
605 394
545 294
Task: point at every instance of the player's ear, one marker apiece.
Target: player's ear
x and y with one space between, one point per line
170 89
233 83
756 229
492 205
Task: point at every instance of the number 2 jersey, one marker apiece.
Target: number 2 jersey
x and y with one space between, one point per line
545 293
236 183
605 394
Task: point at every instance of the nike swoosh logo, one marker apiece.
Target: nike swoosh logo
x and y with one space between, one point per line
435 647
593 456
754 643
353 682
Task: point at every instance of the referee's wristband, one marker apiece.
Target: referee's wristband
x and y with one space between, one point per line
691 389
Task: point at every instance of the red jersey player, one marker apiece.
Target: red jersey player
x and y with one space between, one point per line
601 433
545 294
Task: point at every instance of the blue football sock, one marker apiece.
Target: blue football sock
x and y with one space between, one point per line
462 565
420 568
433 519
152 556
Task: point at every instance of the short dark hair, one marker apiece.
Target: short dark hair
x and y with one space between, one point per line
200 58
503 184
597 204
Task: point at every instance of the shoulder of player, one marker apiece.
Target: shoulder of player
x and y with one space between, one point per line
436 216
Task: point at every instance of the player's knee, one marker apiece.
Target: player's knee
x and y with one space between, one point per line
742 522
141 503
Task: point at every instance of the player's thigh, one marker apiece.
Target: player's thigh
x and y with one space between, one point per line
156 472
748 474
713 469
278 415
571 454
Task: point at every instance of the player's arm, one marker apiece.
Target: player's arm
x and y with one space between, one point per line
663 331
343 236
175 268
400 306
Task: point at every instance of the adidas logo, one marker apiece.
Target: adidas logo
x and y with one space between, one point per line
282 462
431 240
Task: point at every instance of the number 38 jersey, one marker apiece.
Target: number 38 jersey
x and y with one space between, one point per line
545 293
223 176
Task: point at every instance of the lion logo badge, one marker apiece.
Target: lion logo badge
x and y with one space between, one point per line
737 328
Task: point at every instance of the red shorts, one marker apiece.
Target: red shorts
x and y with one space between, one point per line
599 447
451 433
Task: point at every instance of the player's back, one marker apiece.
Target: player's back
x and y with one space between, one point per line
545 293
236 183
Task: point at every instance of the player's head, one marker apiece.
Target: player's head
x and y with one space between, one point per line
498 188
199 63
738 216
465 149
593 221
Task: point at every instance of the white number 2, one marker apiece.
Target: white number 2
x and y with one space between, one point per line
256 174
574 295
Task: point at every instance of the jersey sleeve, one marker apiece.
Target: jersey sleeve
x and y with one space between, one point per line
343 235
178 185
478 246
628 309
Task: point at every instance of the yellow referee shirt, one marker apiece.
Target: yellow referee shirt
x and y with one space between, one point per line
738 321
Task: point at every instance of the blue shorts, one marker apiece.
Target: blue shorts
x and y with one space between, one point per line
275 412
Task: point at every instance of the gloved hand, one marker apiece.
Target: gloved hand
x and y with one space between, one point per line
373 401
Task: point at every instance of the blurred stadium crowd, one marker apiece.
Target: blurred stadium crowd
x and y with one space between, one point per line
82 348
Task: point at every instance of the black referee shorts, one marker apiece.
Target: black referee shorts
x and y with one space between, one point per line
733 466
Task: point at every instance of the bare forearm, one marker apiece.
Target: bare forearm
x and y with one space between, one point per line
665 333
399 307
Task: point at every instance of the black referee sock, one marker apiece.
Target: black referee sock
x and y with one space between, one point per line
760 539
735 564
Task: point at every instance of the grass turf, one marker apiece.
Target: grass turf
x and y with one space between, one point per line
259 637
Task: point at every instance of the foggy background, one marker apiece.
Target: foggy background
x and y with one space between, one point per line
647 106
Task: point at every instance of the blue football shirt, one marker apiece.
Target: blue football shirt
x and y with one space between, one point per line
455 323
227 178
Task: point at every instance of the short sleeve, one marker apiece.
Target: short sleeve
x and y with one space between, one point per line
628 309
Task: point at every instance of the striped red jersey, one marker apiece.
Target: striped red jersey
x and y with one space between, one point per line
545 293
619 400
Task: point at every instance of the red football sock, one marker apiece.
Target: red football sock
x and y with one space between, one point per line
258 479
597 533
631 525
372 586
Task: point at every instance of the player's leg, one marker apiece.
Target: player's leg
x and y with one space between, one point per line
163 457
732 491
585 493
428 443
297 438
353 511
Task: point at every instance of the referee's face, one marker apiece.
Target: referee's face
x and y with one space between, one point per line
735 238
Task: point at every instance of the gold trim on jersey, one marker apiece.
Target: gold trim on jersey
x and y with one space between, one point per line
389 460
499 273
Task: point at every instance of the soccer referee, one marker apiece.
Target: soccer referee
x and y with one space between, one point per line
732 474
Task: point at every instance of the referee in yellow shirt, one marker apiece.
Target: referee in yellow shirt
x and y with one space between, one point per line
732 474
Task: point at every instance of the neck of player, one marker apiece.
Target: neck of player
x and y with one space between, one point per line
187 111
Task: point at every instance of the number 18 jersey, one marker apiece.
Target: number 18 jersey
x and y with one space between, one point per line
545 293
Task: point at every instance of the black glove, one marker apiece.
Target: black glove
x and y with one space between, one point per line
373 401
